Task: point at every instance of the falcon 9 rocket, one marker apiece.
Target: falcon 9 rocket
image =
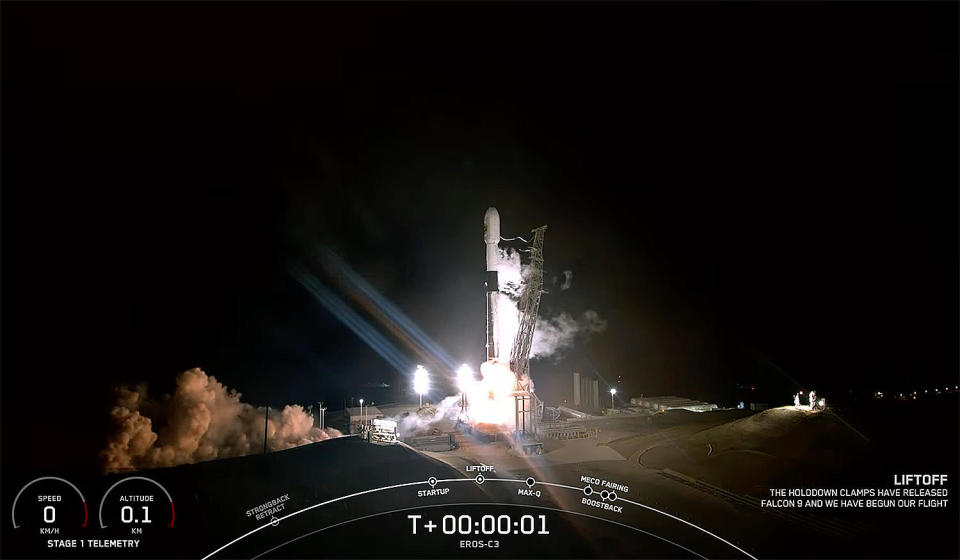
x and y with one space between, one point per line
491 238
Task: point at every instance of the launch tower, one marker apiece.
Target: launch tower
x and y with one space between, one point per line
529 408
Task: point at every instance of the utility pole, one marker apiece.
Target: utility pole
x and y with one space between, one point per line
361 414
266 416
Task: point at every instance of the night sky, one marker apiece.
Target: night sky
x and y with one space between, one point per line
747 193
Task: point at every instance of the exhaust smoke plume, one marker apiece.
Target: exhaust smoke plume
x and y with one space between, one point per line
200 421
552 335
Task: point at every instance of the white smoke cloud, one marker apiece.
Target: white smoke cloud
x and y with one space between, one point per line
510 279
592 323
567 280
430 416
556 334
552 334
202 420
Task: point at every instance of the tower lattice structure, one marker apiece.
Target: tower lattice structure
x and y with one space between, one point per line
528 309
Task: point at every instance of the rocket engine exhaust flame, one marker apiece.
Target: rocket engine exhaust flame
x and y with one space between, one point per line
490 401
201 420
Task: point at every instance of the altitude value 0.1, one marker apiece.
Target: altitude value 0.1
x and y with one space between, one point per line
486 525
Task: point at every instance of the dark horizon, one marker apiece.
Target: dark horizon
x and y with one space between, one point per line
746 193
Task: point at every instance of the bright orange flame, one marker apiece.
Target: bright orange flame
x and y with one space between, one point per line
490 399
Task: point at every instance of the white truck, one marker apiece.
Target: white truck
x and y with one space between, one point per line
382 431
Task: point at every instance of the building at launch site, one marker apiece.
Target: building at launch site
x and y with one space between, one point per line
586 392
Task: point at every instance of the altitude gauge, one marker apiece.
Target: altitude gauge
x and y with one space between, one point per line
136 505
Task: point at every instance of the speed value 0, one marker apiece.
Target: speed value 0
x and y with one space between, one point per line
485 525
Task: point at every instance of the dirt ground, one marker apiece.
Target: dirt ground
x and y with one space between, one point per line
744 454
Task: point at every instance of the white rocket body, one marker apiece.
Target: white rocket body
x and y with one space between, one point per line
491 239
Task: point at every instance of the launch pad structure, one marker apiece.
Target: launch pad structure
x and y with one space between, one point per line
528 407
529 307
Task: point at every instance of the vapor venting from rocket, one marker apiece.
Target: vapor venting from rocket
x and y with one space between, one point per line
200 421
553 334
